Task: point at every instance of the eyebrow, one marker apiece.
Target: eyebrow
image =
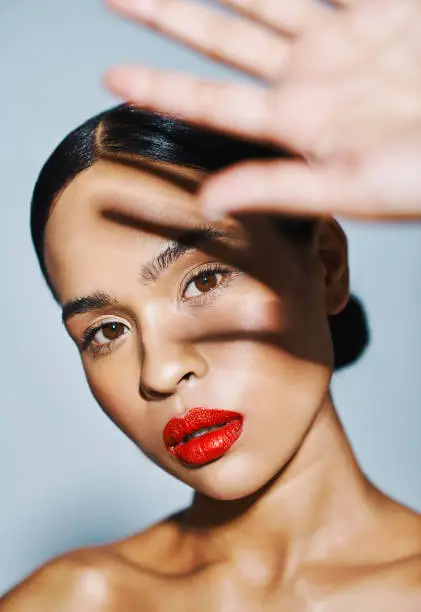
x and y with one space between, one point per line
186 241
150 272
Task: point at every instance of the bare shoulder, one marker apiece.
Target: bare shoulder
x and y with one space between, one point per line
405 572
395 586
84 579
402 565
104 578
393 582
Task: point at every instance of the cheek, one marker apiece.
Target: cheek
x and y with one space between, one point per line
114 382
280 357
115 386
270 350
287 328
272 369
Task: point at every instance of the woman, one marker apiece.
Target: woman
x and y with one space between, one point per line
282 517
212 347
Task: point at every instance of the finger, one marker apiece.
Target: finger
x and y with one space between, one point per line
286 16
211 104
237 42
294 187
292 119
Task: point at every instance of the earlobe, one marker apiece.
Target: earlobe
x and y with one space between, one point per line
337 303
332 245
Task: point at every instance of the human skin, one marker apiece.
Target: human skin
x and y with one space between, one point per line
340 86
286 519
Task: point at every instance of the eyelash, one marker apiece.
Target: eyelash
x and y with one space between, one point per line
101 349
207 269
89 335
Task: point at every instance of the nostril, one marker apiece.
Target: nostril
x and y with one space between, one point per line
187 376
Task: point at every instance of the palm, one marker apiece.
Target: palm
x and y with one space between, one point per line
341 87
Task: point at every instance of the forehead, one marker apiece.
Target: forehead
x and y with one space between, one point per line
81 244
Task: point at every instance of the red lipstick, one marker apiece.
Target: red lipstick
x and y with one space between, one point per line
206 446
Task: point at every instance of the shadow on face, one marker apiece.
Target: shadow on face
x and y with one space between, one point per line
170 313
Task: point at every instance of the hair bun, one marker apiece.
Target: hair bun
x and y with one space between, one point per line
350 333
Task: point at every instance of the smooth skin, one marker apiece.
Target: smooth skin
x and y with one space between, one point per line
291 524
286 520
338 85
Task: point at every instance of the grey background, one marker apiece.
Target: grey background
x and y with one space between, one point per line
68 477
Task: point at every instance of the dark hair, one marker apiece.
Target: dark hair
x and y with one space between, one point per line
126 130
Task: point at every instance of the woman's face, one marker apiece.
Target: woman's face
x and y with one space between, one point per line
236 322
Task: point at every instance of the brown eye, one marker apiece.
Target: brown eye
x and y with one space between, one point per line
109 332
206 281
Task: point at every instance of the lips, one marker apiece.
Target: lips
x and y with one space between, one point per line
197 418
208 446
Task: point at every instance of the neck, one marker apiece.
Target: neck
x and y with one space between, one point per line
314 508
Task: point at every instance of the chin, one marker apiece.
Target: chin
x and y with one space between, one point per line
231 478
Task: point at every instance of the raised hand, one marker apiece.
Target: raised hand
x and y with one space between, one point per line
339 86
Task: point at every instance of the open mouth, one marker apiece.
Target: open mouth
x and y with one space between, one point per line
206 444
202 434
199 433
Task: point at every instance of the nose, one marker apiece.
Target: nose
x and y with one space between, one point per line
168 361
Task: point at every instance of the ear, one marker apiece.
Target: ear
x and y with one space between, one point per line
331 250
